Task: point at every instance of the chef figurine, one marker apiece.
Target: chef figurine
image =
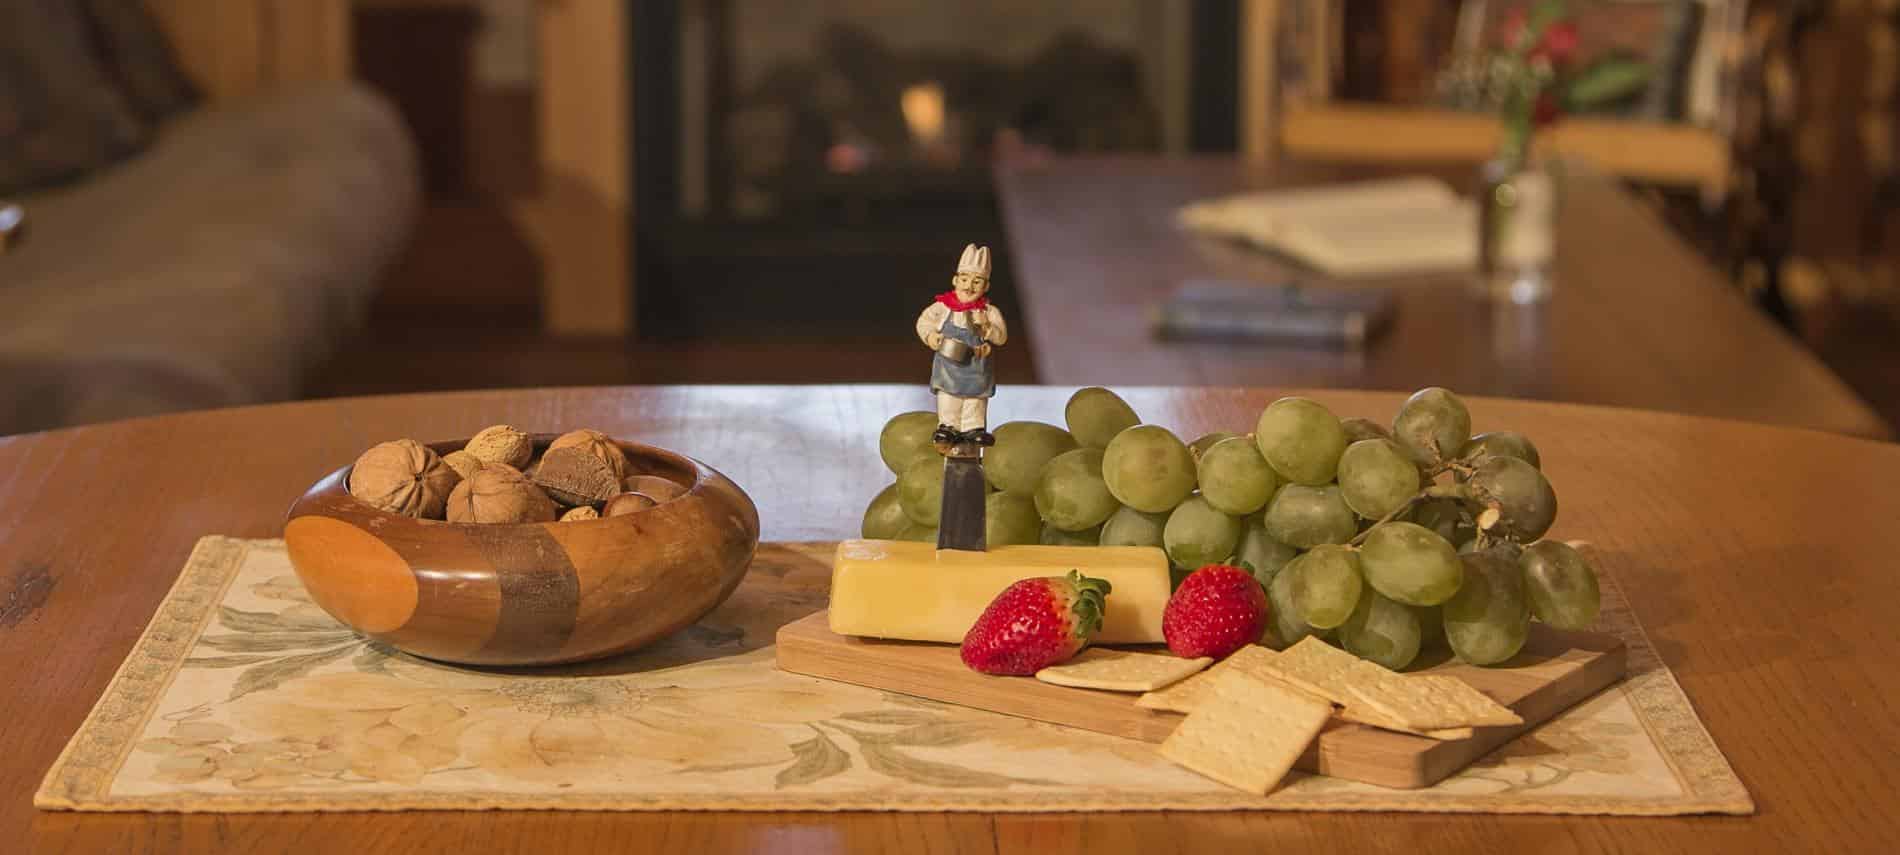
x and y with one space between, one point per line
963 328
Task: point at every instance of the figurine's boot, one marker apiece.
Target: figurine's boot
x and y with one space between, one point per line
949 419
973 419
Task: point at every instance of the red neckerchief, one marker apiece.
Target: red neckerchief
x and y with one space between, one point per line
949 298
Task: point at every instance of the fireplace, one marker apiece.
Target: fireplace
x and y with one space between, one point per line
816 166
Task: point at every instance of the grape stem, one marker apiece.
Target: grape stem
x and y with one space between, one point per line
1460 492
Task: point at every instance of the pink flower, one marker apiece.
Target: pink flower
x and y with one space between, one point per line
1557 44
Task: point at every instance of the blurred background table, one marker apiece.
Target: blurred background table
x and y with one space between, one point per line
1638 319
1771 603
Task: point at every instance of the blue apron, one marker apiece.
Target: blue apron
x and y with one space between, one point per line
970 380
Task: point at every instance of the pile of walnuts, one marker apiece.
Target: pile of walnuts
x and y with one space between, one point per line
495 478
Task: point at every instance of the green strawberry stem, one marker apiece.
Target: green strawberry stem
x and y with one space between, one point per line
1090 594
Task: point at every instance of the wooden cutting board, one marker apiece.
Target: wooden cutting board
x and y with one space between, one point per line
1555 670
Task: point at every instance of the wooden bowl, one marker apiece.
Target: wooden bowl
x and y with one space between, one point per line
526 593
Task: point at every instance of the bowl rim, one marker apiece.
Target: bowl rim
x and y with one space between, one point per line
335 485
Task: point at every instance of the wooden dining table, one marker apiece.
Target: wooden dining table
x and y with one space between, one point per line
1758 558
1637 318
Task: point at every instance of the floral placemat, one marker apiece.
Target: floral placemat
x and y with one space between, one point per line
242 695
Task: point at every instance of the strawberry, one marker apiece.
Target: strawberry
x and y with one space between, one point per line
1035 623
1217 610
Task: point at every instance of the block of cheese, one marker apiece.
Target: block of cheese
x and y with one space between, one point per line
914 591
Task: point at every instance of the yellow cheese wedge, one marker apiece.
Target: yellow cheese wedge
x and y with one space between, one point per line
914 591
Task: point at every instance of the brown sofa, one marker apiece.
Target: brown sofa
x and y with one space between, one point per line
214 268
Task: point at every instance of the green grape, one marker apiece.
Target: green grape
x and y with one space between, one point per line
1010 519
920 490
1198 535
1382 631
1560 584
1071 494
1326 585
1052 536
903 436
1431 625
885 517
1360 429
1501 442
919 533
1409 563
1301 440
1446 518
1148 468
1285 627
1235 478
1021 450
1305 517
1130 527
1206 441
1260 552
1376 477
1432 425
1526 503
1095 415
1487 620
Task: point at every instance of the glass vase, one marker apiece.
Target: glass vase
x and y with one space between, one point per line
1517 231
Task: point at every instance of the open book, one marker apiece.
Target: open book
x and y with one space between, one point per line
1368 228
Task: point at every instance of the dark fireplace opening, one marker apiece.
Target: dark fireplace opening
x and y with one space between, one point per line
814 168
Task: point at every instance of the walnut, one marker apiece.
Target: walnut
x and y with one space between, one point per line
628 503
574 477
584 512
502 444
499 494
596 443
464 463
403 477
660 489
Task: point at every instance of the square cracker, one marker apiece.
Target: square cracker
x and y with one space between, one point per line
1357 715
1322 669
1185 696
1419 702
1431 701
1121 670
1248 732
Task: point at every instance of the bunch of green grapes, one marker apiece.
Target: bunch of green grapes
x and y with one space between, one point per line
1382 540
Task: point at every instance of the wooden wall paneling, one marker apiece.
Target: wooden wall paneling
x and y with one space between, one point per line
309 41
582 220
1259 78
237 48
217 42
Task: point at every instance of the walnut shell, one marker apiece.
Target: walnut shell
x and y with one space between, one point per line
584 512
464 463
502 444
574 477
596 443
403 476
628 503
499 494
660 489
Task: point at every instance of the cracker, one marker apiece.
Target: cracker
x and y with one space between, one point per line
1248 732
1418 702
1322 669
1184 696
1122 670
1357 715
1432 701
